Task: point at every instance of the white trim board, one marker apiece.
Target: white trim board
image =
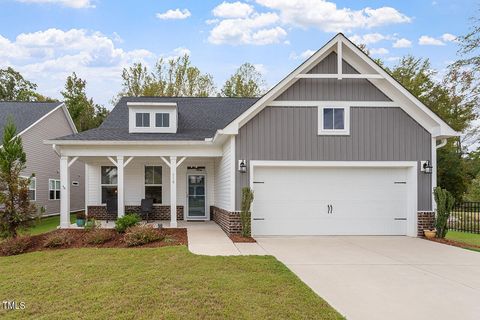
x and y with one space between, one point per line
412 166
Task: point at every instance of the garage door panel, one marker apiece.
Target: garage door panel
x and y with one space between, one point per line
295 201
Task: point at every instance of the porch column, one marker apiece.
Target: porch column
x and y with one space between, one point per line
173 192
64 192
120 187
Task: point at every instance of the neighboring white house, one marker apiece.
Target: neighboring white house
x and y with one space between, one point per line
36 122
336 147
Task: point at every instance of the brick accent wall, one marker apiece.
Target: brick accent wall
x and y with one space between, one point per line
227 220
426 220
158 213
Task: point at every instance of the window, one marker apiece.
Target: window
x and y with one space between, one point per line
53 189
142 119
108 182
32 188
333 120
162 120
153 183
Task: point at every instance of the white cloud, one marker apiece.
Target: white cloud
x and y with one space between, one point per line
233 10
302 56
76 4
402 43
378 51
430 41
261 68
211 21
177 53
257 29
368 38
48 57
177 14
448 37
326 16
392 59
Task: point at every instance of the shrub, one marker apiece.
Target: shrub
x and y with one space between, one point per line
127 221
138 235
98 236
445 202
91 224
247 198
58 239
17 245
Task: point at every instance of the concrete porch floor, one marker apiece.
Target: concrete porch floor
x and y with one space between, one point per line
204 237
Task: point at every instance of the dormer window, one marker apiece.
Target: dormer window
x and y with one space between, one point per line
142 119
152 117
162 120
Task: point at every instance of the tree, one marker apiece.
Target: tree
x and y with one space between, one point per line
245 82
14 87
85 113
469 48
173 78
17 210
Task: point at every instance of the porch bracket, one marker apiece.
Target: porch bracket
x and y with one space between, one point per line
128 161
72 161
113 161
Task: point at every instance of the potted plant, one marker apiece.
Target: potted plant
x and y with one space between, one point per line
430 234
80 219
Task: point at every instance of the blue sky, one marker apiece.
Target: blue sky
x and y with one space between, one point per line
48 39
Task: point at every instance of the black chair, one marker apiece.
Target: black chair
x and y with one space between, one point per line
146 207
112 206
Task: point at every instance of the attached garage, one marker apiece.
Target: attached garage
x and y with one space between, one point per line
354 198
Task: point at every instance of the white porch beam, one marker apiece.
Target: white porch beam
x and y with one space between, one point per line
112 161
173 191
166 161
339 59
342 76
64 193
120 187
128 161
72 161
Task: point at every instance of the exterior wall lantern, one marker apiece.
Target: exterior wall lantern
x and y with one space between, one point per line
242 166
426 167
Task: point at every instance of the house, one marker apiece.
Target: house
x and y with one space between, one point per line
337 147
36 122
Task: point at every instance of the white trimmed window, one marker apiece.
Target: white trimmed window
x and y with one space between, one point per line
53 189
153 183
333 120
162 120
108 182
32 188
142 120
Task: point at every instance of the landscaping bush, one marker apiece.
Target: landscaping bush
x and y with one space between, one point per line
127 221
58 239
247 198
13 246
91 224
138 235
445 202
98 236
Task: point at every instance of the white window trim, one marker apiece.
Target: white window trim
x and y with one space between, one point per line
149 120
106 184
334 132
35 189
55 189
154 184
155 120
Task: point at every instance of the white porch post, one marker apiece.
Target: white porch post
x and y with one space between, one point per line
173 192
120 187
64 192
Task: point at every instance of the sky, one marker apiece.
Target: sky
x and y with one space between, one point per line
46 40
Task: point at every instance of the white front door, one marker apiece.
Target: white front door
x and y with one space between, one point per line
329 201
196 196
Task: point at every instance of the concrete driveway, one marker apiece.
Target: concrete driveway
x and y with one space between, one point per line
385 277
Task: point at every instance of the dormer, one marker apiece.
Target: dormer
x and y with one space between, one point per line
152 117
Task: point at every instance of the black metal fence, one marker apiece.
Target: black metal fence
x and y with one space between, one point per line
465 217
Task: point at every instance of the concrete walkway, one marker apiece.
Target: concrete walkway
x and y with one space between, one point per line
207 238
385 277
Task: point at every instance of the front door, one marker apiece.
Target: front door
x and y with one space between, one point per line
196 201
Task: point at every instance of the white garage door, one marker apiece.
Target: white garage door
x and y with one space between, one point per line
329 201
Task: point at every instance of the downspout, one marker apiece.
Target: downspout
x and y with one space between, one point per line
442 143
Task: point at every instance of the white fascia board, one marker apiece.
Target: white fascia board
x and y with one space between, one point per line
41 118
233 127
69 118
127 143
151 104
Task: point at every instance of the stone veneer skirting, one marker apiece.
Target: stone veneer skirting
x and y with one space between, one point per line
227 220
426 220
158 213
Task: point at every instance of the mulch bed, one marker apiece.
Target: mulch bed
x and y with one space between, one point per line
239 238
454 243
172 237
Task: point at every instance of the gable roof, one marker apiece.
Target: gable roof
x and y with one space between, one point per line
24 114
198 119
368 69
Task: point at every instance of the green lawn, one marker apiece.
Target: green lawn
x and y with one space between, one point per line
464 237
154 283
47 224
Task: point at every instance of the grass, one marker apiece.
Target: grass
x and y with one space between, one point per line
154 283
465 237
47 224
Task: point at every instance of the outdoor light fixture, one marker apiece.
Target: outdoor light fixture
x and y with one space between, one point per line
426 167
242 166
